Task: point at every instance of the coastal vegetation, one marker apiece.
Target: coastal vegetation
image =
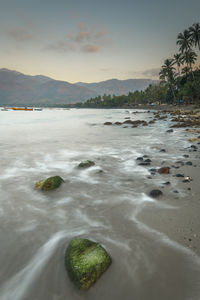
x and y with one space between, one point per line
179 79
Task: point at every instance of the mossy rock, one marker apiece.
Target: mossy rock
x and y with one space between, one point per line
86 164
85 262
49 184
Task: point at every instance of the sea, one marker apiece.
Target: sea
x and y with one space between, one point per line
102 203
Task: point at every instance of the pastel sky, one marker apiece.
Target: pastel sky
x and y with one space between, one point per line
92 40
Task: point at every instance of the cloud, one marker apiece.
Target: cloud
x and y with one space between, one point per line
85 39
20 34
91 48
151 72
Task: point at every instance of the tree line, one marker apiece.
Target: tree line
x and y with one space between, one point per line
179 78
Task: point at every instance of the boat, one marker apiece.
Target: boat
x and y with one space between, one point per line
22 108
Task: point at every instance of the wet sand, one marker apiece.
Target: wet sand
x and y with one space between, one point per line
182 224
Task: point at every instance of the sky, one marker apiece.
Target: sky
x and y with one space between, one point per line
92 40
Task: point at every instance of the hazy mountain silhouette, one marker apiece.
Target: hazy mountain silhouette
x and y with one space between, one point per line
19 89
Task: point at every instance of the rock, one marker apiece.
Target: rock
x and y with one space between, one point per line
167 183
107 123
179 175
186 155
118 123
188 163
85 262
86 164
50 183
155 193
162 150
147 160
153 170
144 164
175 191
170 130
139 158
164 170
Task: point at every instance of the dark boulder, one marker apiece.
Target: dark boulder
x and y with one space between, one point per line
155 193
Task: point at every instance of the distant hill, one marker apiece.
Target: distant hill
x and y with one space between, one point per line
118 87
19 89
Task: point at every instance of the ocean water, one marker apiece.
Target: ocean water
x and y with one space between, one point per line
101 203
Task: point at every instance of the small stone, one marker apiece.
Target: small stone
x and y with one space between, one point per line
167 183
144 164
164 170
175 191
107 123
139 158
147 160
186 155
188 163
155 193
179 175
162 150
170 130
86 164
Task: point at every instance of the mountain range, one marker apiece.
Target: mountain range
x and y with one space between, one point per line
19 89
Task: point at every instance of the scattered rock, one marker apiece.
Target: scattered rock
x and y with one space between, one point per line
155 193
144 164
85 262
107 123
49 184
86 164
147 160
167 183
139 158
164 170
153 170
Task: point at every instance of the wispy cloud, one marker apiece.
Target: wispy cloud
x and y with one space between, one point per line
84 39
91 48
20 34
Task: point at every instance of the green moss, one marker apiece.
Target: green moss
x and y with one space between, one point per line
86 164
85 262
50 183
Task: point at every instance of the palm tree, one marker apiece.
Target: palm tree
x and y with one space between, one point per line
185 71
167 74
178 60
195 34
190 57
184 41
